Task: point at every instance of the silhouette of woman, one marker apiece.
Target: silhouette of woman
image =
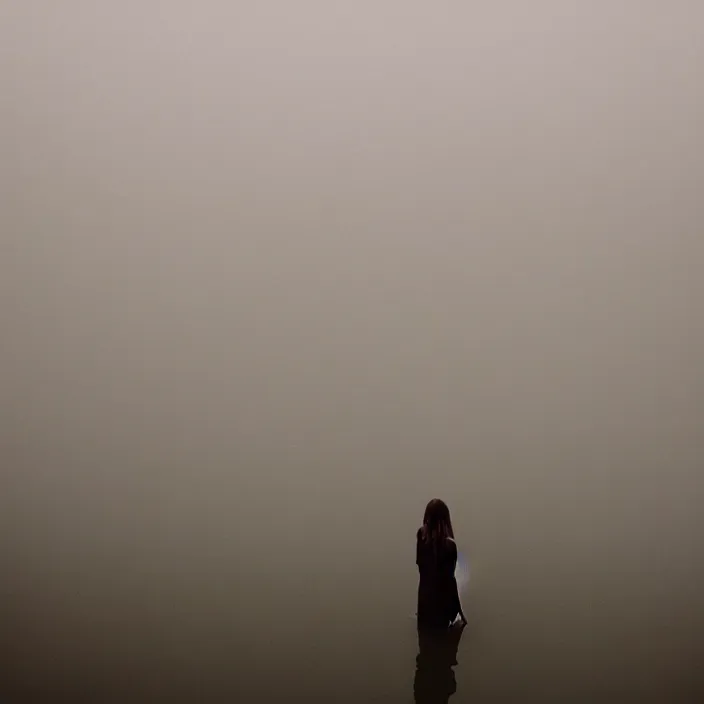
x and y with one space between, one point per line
436 556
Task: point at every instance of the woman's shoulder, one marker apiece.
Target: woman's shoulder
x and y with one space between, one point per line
450 545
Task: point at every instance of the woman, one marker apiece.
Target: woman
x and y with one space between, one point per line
436 557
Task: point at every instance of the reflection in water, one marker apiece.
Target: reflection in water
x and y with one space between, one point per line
437 656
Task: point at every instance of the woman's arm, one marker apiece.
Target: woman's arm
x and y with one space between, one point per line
459 604
453 562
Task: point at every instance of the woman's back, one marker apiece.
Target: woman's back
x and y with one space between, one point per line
436 557
438 600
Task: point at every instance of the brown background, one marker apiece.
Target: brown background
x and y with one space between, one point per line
272 275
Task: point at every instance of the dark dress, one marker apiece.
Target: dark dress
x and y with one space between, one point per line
438 598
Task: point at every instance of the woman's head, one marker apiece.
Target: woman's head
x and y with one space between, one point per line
436 520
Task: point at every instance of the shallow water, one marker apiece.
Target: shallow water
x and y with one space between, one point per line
205 616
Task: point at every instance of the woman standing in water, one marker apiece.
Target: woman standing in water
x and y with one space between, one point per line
436 556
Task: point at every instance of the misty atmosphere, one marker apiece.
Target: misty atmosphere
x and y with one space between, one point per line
275 274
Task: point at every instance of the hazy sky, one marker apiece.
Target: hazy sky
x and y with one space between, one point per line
274 263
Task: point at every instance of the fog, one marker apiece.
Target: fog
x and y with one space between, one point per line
273 275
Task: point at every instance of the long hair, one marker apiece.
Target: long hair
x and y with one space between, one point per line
437 525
